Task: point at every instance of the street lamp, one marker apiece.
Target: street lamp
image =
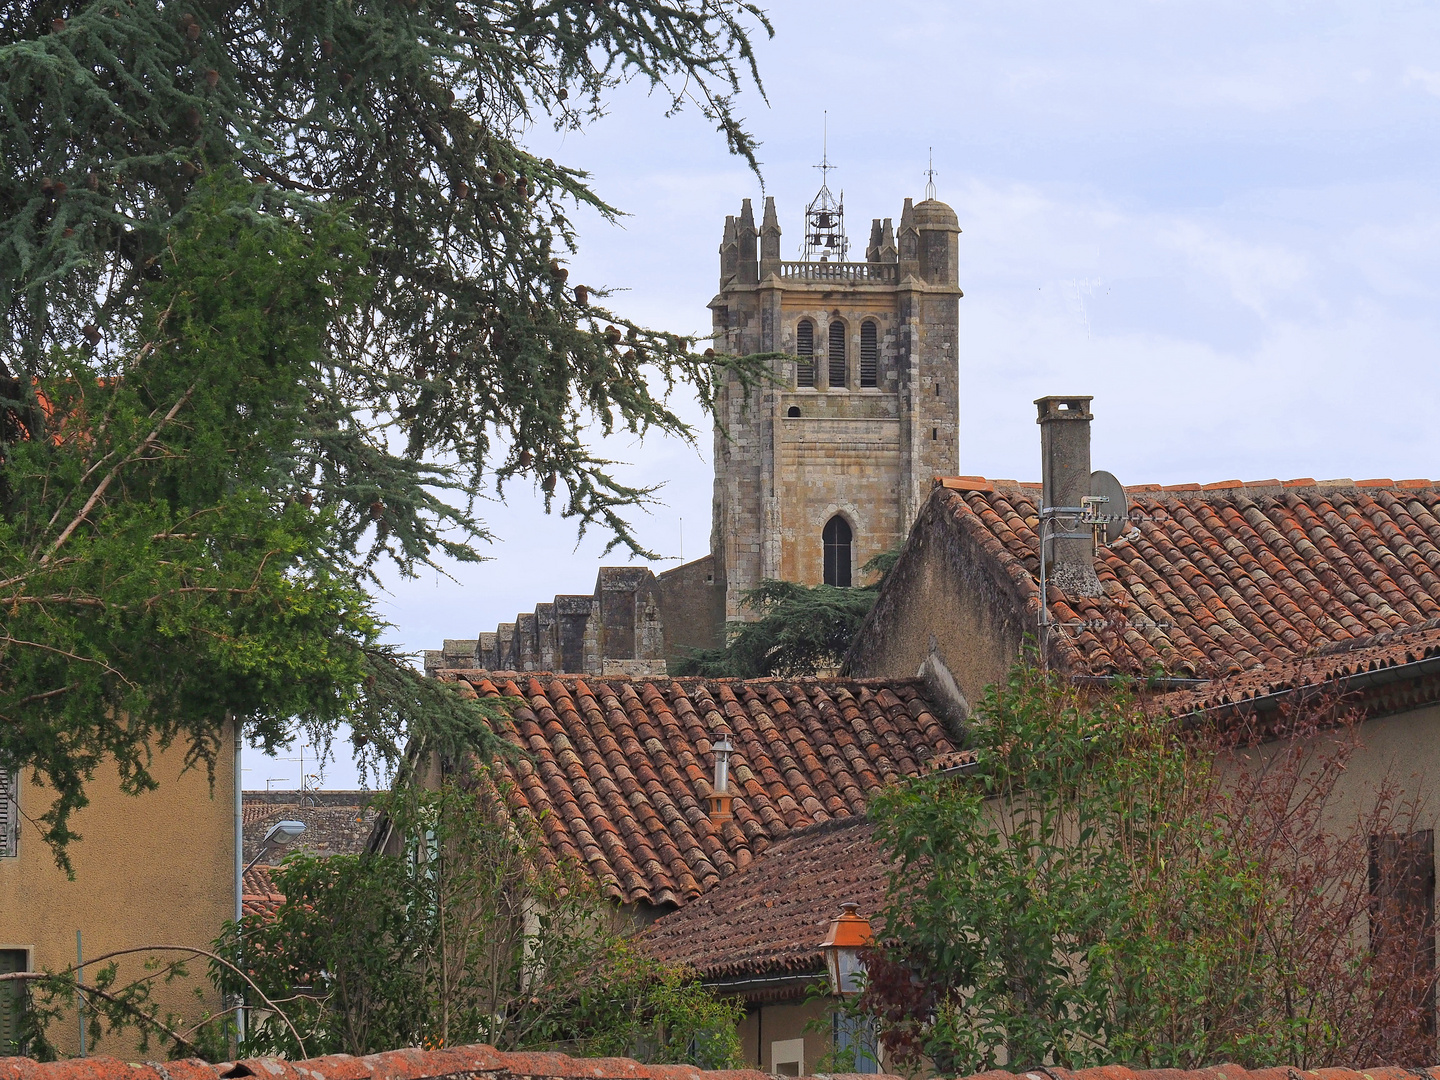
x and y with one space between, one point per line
281 834
849 933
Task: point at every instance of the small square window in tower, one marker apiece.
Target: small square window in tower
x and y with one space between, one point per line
869 354
837 354
805 353
836 538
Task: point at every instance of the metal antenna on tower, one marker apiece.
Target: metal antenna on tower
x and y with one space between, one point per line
930 174
825 216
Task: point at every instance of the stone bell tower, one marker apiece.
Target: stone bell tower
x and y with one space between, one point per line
826 467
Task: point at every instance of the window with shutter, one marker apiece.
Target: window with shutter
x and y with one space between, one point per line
12 999
9 814
1402 928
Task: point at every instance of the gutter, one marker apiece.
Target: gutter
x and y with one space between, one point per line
1360 680
742 984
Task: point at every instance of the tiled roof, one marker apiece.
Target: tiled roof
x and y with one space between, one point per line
329 829
619 769
770 918
260 895
1226 577
460 1062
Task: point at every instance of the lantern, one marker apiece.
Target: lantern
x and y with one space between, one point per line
849 933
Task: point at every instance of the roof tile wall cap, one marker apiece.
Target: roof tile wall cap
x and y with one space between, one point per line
1343 481
413 1064
1304 481
1180 487
1375 483
1415 484
965 483
1222 485
101 1067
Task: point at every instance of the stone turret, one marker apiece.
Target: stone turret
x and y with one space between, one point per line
769 240
872 249
745 237
889 253
729 252
939 235
909 243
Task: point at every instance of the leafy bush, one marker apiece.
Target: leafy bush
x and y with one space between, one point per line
463 936
1107 887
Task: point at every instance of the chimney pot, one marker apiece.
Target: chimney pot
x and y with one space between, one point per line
1064 421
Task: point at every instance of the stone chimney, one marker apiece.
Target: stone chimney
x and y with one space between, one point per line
769 240
745 237
1065 474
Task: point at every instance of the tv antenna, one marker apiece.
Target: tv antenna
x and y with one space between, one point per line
930 176
825 216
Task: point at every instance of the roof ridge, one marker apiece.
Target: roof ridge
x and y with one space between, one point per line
981 483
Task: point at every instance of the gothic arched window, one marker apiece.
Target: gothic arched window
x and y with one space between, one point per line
837 538
837 353
869 354
805 353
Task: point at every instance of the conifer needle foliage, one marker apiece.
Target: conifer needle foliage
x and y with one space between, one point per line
281 293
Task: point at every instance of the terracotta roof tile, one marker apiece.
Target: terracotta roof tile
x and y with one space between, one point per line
1217 580
619 770
260 895
480 1062
770 919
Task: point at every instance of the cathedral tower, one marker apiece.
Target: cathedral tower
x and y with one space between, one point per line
826 467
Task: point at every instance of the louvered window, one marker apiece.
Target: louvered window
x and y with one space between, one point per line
869 354
9 814
805 353
837 353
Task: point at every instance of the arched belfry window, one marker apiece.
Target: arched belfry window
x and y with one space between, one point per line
869 354
837 538
805 353
837 353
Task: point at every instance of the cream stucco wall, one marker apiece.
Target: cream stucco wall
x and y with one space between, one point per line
153 869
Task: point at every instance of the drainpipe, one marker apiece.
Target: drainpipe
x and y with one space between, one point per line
239 867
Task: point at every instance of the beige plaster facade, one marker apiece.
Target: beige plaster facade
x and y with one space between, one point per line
153 869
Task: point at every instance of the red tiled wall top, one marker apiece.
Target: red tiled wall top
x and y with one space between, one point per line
1220 581
481 1062
619 769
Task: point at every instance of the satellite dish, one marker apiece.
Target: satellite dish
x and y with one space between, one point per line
1115 511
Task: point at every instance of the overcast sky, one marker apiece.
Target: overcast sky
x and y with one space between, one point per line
1220 219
